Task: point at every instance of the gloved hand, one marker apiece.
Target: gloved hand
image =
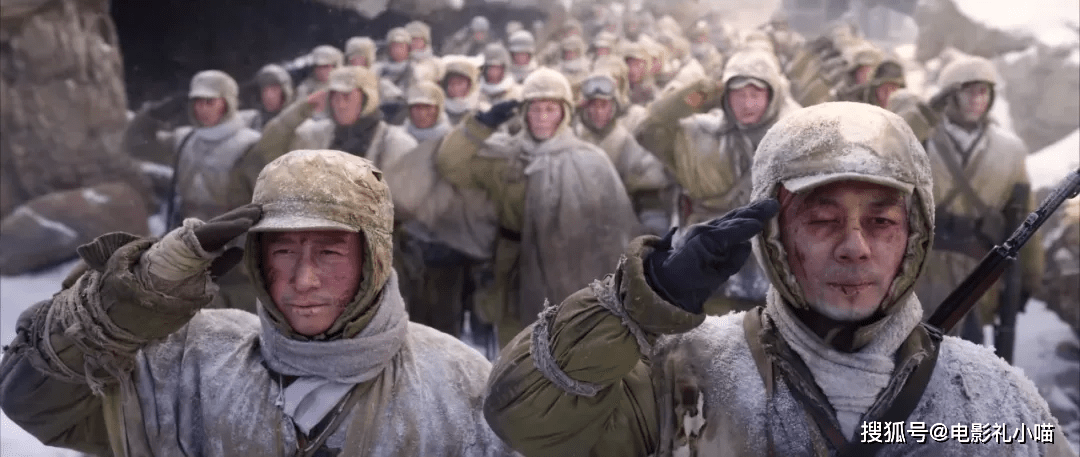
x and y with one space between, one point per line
498 114
711 253
196 247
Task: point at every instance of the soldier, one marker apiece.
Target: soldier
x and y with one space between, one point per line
981 188
275 93
544 182
915 112
603 44
787 42
396 70
574 63
208 158
462 91
522 47
710 152
427 117
330 366
642 174
631 366
420 46
469 41
643 88
497 84
325 58
360 51
701 47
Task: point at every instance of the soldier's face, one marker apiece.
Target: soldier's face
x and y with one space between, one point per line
399 51
358 60
544 117
312 275
208 111
493 74
346 106
600 112
883 92
457 86
272 97
423 116
637 69
862 74
322 72
603 51
974 100
480 35
521 58
418 44
569 55
748 103
845 242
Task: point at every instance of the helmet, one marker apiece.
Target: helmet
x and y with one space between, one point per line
348 79
398 35
479 24
215 84
522 41
275 74
360 45
327 55
496 54
961 71
425 93
548 84
418 29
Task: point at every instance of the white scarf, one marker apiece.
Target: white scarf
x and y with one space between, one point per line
497 90
223 130
963 137
458 106
327 370
439 130
851 381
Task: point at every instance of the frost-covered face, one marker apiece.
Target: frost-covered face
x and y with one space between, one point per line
346 106
748 103
636 70
418 44
543 117
399 51
312 275
493 74
272 97
883 92
600 112
358 60
521 58
973 99
208 111
322 72
862 74
457 86
423 116
845 242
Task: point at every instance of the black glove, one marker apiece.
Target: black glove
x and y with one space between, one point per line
390 110
711 253
498 114
219 231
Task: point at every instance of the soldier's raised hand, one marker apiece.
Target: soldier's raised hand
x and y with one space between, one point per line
711 253
197 247
498 114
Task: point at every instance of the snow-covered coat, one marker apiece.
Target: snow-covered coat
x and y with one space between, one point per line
615 370
171 380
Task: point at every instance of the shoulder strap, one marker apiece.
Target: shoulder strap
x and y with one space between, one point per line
961 183
170 207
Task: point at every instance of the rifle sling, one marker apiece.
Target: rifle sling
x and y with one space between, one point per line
770 352
170 207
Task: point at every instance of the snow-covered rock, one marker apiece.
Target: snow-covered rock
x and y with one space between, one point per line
1042 84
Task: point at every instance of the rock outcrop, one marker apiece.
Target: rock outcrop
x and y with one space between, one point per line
62 113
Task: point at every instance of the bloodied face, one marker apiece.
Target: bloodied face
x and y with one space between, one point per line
312 275
845 242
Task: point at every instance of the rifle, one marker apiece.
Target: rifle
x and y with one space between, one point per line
991 267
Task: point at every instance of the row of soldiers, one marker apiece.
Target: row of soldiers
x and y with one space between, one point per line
671 118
